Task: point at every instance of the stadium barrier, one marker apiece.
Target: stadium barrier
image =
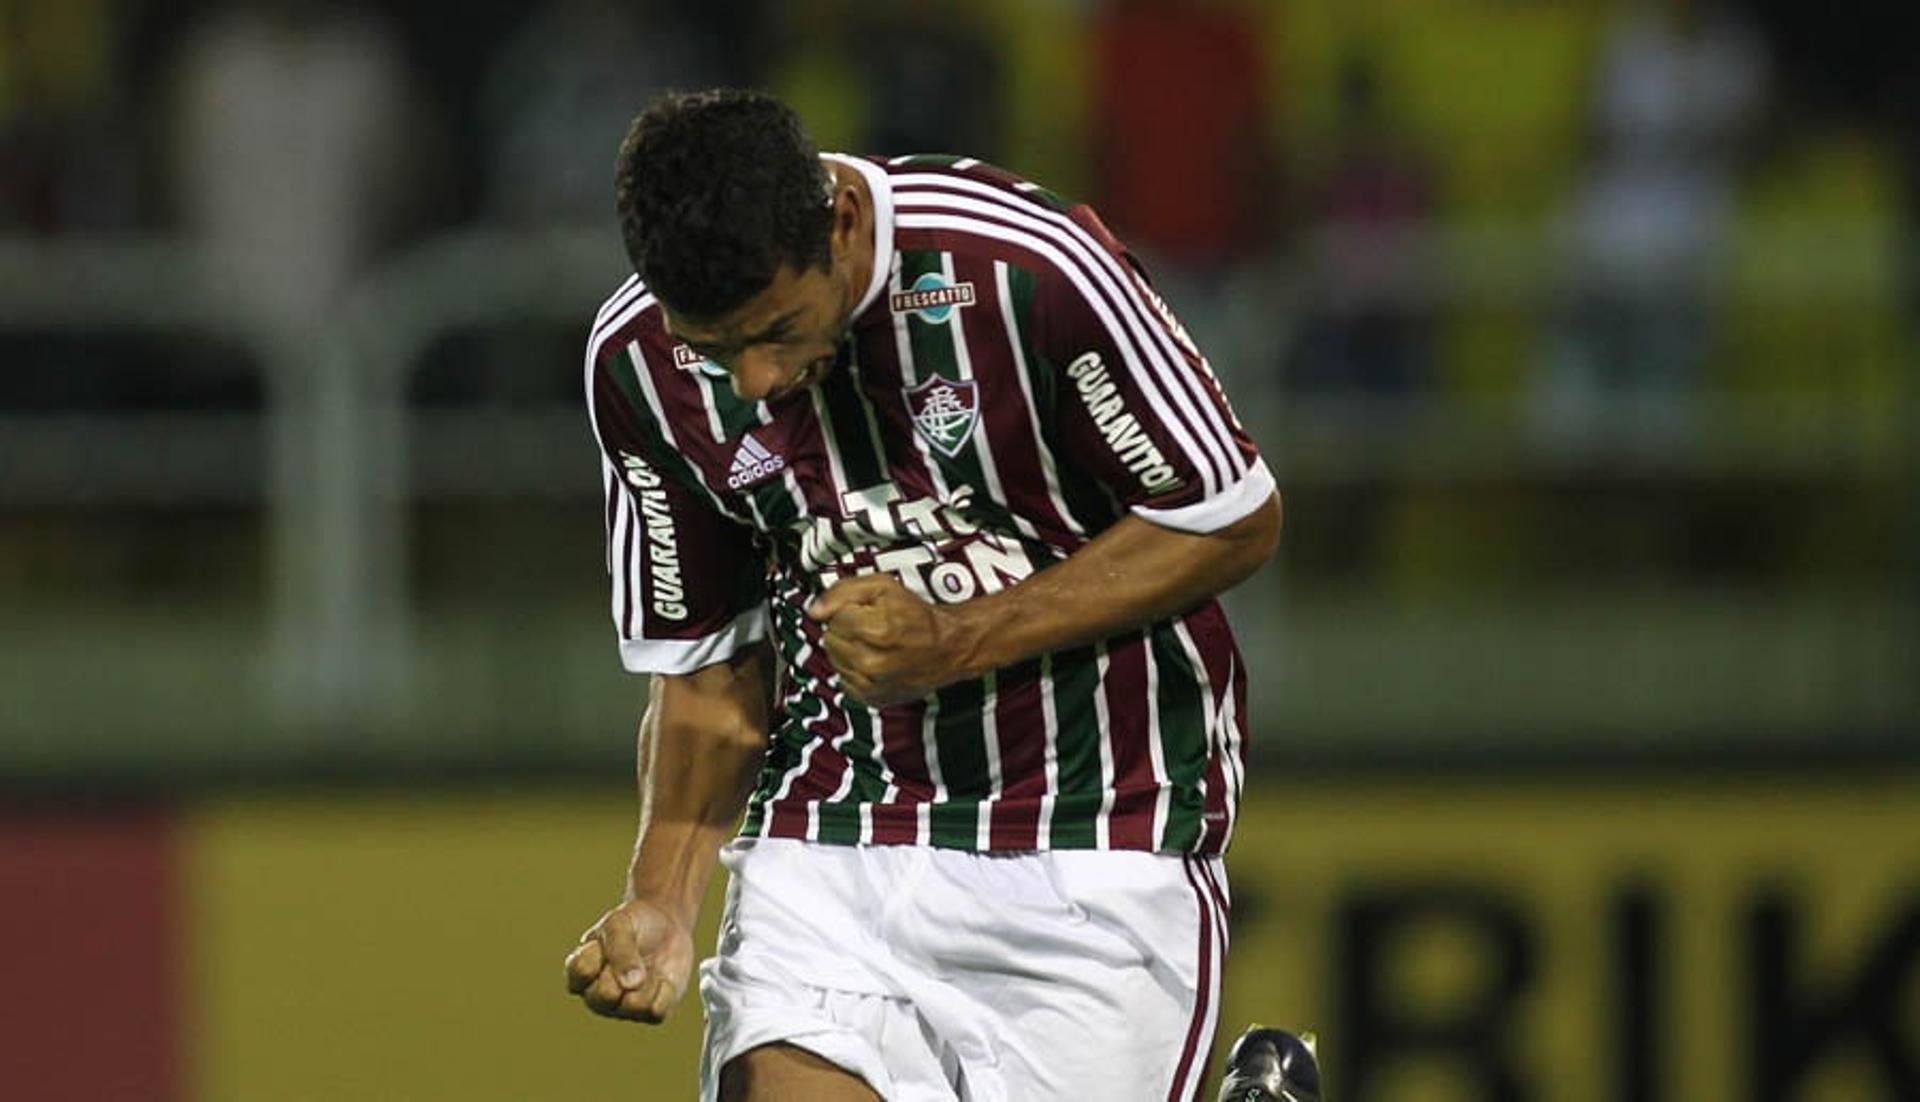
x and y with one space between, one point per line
337 657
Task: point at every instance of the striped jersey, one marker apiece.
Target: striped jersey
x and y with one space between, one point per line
1010 386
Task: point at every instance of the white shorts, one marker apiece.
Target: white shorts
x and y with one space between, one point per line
941 974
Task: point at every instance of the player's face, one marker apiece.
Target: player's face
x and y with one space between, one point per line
782 340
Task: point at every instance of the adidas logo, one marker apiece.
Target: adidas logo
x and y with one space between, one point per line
752 463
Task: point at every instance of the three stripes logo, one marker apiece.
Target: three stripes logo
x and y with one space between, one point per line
753 463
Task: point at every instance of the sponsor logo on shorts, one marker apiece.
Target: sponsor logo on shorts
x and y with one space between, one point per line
932 299
1121 430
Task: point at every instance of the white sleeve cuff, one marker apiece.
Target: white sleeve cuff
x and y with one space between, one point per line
678 656
1220 510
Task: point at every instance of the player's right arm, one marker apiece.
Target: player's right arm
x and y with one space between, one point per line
689 608
701 743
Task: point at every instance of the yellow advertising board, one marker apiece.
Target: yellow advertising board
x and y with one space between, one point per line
1519 939
1597 941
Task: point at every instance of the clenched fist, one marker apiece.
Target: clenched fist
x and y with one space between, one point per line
633 963
889 645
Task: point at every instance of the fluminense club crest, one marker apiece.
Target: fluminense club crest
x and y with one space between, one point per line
945 411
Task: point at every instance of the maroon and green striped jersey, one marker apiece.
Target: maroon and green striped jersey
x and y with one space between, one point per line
1010 387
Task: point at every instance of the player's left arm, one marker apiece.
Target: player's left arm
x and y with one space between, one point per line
1140 411
890 646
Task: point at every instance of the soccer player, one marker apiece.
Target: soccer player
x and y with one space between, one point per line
918 499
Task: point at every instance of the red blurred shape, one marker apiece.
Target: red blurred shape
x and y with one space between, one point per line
90 948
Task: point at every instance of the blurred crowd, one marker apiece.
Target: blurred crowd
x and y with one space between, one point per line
1351 202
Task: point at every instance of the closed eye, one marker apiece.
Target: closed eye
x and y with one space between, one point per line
779 331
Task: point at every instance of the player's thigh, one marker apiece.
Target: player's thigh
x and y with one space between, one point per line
1128 1009
786 1073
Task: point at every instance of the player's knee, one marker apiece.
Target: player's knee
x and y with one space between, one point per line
785 1073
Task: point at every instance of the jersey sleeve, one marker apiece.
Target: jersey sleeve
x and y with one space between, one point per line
1139 408
689 584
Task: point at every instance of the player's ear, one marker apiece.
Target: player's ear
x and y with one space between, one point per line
845 233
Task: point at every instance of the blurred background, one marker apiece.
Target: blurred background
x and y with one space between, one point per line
1580 335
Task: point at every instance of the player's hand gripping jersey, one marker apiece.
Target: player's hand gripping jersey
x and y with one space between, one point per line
1010 388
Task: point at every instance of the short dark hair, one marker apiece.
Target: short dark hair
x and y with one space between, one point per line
716 190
